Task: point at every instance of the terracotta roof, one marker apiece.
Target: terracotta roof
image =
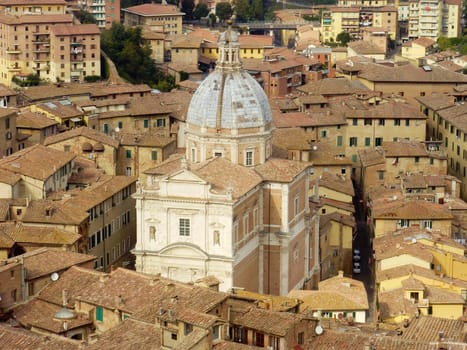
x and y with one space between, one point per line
401 243
339 339
362 47
61 108
38 162
28 2
225 176
8 177
333 86
370 157
185 42
451 66
73 280
154 10
394 303
44 261
308 119
441 296
269 322
33 19
409 209
84 132
40 315
456 115
344 219
409 73
128 335
34 120
422 181
285 139
281 170
168 166
337 183
255 41
42 235
13 338
426 328
422 41
75 29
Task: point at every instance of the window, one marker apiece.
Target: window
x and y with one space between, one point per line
417 159
427 224
99 313
354 121
13 294
397 122
381 122
184 227
7 123
407 122
216 332
153 155
367 141
120 125
367 122
296 205
248 158
323 133
66 148
188 328
173 336
339 140
128 153
354 158
353 141
160 123
259 339
378 141
403 223
146 123
381 175
301 338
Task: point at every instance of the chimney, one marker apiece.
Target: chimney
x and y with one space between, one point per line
64 297
340 274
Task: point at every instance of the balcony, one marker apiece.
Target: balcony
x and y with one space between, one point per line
45 67
14 68
41 50
12 51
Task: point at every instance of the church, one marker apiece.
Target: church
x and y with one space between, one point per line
227 208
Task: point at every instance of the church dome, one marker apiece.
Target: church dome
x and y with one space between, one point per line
229 98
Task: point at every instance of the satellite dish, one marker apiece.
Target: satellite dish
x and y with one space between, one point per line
54 276
319 330
117 129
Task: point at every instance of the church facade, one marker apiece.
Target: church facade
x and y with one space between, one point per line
227 208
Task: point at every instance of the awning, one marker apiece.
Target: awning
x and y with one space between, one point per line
76 119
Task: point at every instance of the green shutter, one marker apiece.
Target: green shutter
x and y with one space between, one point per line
99 313
367 141
339 140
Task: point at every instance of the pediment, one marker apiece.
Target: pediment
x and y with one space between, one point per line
183 250
186 175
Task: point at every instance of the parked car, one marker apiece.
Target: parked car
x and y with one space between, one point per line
356 257
356 267
356 252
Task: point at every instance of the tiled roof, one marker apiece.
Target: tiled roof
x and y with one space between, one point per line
154 10
13 338
44 261
285 139
409 209
370 157
73 280
42 235
38 162
426 328
62 109
441 296
225 176
168 166
348 220
228 345
456 115
451 66
409 73
40 315
53 212
8 177
85 132
328 300
269 322
339 340
335 86
337 183
394 303
422 181
182 41
390 246
33 120
28 2
128 335
422 41
281 170
363 47
33 19
75 29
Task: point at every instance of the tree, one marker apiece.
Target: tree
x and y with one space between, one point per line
132 56
85 17
343 38
187 8
224 10
257 9
243 10
201 10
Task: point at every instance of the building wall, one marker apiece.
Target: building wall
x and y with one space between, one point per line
402 260
246 274
11 288
450 311
172 23
385 226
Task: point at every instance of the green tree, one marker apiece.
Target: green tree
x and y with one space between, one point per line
212 19
201 10
132 56
187 8
344 38
224 10
257 9
85 17
243 10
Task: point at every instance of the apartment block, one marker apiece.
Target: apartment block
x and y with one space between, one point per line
433 19
105 12
48 45
159 17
